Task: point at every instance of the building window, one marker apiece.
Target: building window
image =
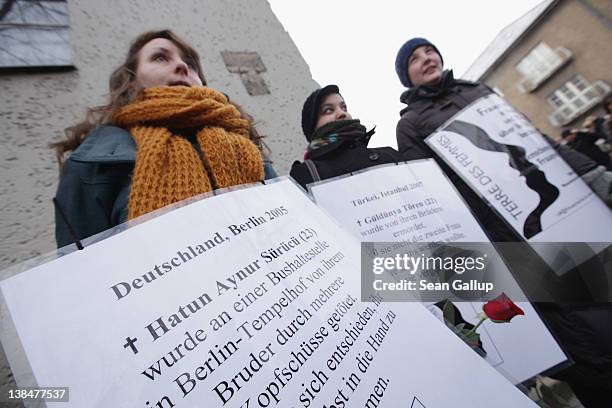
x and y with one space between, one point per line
541 62
34 34
579 82
555 101
574 98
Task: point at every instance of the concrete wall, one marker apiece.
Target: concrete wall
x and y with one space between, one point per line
582 27
36 107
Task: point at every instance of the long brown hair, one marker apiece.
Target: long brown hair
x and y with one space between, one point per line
123 89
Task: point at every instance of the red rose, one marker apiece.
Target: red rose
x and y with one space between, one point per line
501 309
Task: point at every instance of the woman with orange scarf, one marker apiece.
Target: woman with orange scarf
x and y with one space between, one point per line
164 137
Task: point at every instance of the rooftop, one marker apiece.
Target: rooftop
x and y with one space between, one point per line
504 42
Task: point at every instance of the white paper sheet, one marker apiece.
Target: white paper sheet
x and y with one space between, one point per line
415 202
77 330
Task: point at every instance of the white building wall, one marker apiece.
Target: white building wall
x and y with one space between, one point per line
36 107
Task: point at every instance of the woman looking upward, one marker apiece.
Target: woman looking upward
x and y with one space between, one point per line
163 137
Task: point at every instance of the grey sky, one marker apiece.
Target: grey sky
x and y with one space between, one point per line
354 43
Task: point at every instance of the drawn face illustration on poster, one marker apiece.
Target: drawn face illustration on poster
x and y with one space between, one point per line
515 157
509 163
546 202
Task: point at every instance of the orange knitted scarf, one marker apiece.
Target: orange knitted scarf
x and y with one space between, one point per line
168 169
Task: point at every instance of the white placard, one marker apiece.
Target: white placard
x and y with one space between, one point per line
415 202
253 304
499 153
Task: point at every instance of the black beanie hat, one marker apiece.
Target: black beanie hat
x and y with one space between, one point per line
310 110
404 53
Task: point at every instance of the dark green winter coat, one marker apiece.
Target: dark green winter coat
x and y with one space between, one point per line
95 182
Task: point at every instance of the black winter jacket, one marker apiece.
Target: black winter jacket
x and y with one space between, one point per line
342 158
584 330
430 107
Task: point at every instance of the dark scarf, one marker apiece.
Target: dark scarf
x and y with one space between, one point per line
336 133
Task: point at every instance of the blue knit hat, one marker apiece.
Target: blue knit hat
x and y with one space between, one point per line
404 53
